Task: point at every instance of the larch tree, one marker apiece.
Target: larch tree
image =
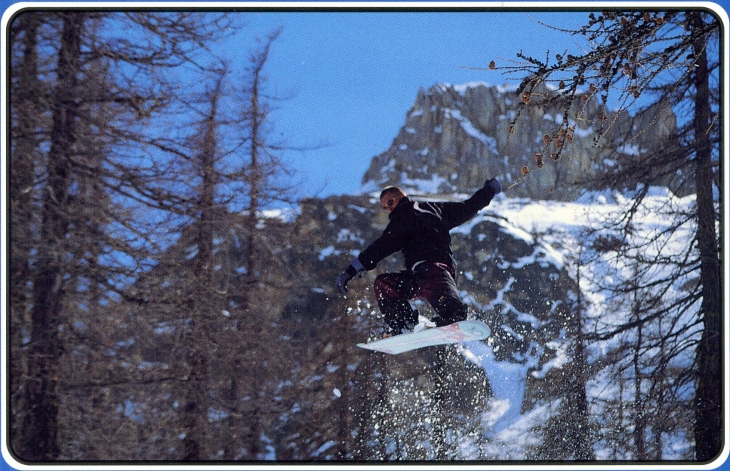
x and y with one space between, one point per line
91 94
204 301
260 170
637 59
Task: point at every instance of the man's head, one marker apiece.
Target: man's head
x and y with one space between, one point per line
390 197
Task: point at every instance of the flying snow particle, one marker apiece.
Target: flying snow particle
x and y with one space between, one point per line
337 392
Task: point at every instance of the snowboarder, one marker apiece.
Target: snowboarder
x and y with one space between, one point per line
421 231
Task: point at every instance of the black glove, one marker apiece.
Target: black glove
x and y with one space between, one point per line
350 272
494 185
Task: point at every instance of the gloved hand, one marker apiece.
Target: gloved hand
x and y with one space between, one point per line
353 269
494 185
342 280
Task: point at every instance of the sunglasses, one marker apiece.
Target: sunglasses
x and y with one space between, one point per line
389 203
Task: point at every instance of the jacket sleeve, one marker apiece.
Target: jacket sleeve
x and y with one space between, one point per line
456 214
393 239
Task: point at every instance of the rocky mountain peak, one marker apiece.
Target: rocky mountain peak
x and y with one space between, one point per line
457 136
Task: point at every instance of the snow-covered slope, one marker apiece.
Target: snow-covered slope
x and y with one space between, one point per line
574 232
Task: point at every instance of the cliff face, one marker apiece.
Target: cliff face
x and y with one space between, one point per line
455 137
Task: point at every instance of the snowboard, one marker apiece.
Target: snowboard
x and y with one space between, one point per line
463 331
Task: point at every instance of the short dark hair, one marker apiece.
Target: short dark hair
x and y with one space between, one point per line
392 190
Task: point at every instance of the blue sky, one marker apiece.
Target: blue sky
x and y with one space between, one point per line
356 75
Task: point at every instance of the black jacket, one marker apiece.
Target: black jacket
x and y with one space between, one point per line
421 230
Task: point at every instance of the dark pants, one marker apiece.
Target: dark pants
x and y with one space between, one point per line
434 283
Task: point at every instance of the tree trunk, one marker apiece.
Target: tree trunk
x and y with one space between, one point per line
708 399
579 399
255 182
39 436
25 96
584 440
204 296
439 414
639 412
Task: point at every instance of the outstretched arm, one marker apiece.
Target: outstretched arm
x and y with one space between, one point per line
456 214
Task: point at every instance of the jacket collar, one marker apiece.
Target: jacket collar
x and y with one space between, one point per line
405 201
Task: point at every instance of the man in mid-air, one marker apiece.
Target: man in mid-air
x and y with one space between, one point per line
421 231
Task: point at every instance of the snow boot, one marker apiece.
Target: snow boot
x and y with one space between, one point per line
400 317
449 310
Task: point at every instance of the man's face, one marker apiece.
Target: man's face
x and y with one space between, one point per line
389 202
